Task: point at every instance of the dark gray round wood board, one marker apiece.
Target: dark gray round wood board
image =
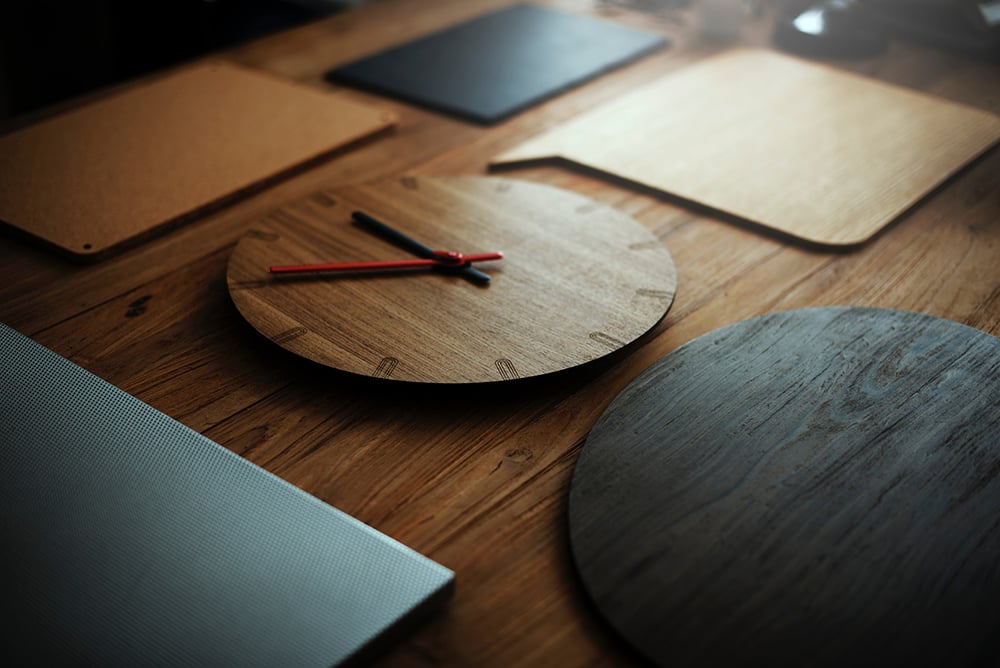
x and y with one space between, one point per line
809 488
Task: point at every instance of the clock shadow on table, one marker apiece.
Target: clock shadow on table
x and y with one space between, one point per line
432 398
437 402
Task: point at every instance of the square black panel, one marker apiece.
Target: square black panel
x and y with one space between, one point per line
493 66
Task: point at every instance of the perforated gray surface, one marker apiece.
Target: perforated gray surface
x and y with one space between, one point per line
129 539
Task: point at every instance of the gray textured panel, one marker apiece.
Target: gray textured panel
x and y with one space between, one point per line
130 539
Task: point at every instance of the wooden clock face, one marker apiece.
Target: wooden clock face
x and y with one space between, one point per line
578 281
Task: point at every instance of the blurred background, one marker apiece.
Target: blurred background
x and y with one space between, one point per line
52 50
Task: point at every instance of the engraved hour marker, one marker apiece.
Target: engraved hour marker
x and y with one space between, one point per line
606 340
290 335
507 369
386 367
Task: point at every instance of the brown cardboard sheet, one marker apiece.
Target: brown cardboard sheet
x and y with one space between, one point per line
109 174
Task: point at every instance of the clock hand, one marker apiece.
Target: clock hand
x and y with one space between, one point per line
441 259
408 243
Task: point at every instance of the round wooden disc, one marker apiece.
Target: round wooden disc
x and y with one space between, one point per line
810 488
578 281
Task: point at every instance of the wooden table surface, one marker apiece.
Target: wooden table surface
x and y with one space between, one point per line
478 480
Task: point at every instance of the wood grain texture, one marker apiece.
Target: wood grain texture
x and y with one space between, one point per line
478 480
111 173
817 487
805 149
578 281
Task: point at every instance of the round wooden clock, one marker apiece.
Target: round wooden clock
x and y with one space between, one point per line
810 488
578 280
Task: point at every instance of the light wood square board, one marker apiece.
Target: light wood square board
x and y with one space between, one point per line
827 156
108 174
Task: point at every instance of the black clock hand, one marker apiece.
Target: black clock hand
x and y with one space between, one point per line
412 245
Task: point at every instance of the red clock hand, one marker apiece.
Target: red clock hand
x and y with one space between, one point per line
440 259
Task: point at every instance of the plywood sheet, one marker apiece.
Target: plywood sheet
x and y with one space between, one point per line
808 150
809 488
578 281
92 180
